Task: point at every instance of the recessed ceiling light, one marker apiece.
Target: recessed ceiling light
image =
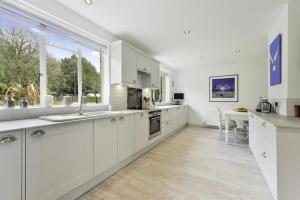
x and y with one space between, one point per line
187 32
202 57
237 51
88 2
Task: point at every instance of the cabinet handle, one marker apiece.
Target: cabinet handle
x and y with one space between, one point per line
142 115
134 81
252 116
38 133
264 155
263 124
113 120
152 85
145 69
167 110
121 118
7 139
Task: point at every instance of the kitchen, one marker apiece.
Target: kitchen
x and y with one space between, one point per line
105 100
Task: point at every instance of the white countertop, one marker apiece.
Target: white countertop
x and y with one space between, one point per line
7 126
279 121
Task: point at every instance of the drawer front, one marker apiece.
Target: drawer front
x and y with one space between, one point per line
266 135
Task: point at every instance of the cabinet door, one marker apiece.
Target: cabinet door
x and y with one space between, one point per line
58 159
143 63
253 130
166 128
129 71
141 133
10 166
125 137
165 115
155 75
105 144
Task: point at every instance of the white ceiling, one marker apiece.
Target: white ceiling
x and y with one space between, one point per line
218 27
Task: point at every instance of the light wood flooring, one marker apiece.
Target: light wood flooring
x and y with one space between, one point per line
192 165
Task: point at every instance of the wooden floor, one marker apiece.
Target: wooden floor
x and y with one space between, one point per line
192 165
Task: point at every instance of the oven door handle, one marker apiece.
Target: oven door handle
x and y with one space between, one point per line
152 118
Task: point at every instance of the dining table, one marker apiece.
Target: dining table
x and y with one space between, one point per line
235 116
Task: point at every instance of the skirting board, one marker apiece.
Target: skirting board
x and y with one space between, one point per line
100 178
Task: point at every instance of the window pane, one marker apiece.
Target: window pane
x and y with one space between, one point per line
91 76
61 74
61 41
19 61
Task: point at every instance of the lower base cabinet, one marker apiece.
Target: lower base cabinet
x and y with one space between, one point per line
105 144
58 159
141 126
10 166
125 137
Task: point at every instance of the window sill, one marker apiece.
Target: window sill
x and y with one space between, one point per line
17 113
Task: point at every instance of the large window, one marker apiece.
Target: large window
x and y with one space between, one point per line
19 62
37 61
163 93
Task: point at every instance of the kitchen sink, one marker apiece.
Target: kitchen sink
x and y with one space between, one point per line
65 117
77 116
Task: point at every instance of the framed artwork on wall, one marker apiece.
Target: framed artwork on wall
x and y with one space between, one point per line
275 56
223 88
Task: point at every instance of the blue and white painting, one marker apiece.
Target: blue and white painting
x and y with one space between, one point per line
275 61
223 88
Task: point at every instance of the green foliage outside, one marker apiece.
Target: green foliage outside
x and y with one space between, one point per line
19 63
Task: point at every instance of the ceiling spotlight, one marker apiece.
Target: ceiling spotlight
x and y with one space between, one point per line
202 57
237 51
187 32
88 2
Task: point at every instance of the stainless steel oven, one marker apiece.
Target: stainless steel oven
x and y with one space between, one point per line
154 123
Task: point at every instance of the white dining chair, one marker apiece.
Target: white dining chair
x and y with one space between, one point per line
232 126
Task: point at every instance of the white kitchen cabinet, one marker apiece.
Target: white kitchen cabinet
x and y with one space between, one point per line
125 136
11 166
123 64
166 115
141 135
155 74
263 144
105 144
144 63
58 159
253 127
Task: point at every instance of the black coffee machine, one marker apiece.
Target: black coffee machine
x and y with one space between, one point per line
264 106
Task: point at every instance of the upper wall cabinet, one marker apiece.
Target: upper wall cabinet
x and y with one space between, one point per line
155 74
126 61
123 64
144 63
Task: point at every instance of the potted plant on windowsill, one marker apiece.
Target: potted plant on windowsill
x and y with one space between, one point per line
9 100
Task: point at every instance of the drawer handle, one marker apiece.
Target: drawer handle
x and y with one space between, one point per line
38 133
134 81
264 155
263 124
8 139
121 118
252 116
113 120
142 115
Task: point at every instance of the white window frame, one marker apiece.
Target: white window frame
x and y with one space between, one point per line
42 34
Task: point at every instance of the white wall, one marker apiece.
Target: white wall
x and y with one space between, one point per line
280 27
195 84
294 50
287 94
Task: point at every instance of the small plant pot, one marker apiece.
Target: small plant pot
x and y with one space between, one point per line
24 103
9 102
